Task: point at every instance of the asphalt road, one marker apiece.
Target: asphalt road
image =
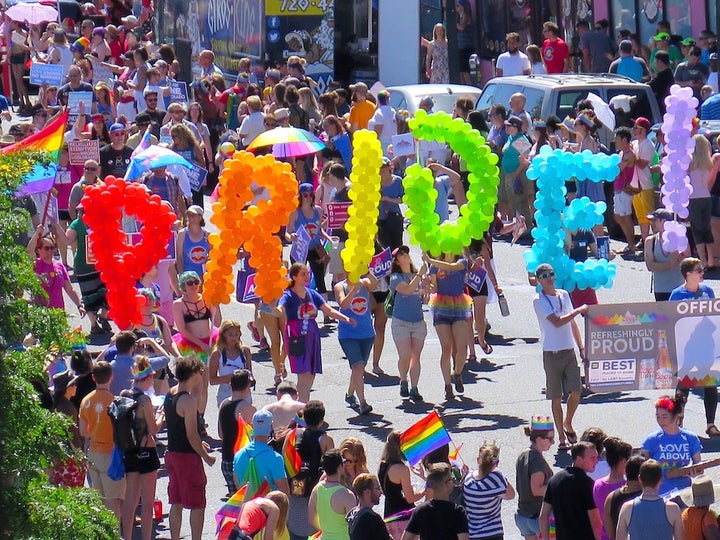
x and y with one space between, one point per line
502 391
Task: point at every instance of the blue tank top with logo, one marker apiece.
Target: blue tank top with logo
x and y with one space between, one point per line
360 310
195 254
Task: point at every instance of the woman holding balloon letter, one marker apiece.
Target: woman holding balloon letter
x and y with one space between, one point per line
299 306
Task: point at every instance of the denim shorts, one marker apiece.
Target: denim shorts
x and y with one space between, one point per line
528 526
357 350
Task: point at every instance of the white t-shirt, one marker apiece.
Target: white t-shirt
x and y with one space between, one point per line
385 116
552 337
513 64
252 126
646 151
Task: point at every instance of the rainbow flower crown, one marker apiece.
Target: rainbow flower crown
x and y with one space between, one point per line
541 423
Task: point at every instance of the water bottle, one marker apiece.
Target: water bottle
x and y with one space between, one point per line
502 302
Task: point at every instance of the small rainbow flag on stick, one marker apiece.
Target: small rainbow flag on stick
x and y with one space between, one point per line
293 461
423 437
230 511
244 435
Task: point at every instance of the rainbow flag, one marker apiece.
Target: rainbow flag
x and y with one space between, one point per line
230 511
316 536
423 437
454 453
293 461
299 421
244 436
144 144
50 139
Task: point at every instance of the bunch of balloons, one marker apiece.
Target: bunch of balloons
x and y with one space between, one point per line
681 108
253 227
420 194
582 213
361 225
550 169
120 264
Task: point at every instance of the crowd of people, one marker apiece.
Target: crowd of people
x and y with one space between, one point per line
183 344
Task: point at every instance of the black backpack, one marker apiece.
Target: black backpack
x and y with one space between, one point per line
123 412
308 446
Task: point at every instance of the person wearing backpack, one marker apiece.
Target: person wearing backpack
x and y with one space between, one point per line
141 462
312 442
257 461
95 425
229 355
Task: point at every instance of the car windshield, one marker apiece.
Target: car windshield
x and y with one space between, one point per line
446 102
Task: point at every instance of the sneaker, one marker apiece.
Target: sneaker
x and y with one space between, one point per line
457 381
404 389
415 395
351 400
254 331
365 408
449 392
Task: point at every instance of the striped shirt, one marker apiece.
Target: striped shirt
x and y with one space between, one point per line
482 503
710 109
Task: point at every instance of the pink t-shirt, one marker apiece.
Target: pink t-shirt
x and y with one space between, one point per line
52 278
601 490
65 179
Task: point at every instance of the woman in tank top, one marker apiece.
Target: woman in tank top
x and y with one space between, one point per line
394 477
229 355
665 266
702 176
192 246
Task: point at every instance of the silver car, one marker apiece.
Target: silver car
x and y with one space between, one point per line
443 95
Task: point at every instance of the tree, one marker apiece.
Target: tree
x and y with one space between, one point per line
31 436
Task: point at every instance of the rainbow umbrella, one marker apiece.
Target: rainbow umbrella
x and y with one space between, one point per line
288 142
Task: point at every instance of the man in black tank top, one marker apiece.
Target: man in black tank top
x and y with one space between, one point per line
185 450
236 405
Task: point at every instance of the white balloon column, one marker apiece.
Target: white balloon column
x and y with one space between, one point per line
677 126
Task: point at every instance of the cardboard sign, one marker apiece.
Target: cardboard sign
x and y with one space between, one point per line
337 214
196 176
301 245
178 92
403 145
50 74
380 264
653 346
80 151
475 278
73 101
245 285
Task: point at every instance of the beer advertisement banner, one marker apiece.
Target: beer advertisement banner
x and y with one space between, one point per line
652 346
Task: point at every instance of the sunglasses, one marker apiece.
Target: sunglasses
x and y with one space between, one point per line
308 195
698 270
151 100
192 282
270 124
546 275
48 248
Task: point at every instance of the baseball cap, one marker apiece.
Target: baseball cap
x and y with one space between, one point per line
642 122
544 267
688 42
660 36
402 249
713 56
306 188
514 121
626 46
117 126
386 161
427 101
150 90
97 118
130 19
281 114
262 423
194 209
142 119
359 87
661 213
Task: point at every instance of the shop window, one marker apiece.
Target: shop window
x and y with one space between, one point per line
640 16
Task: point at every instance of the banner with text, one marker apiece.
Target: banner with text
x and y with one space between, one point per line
653 345
245 285
337 214
381 263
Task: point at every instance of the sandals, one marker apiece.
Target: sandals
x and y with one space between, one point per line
278 378
487 348
563 447
571 436
713 431
472 358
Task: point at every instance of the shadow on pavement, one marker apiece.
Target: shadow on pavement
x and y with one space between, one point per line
615 397
562 459
381 380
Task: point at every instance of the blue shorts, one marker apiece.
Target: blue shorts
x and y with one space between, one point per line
528 526
357 350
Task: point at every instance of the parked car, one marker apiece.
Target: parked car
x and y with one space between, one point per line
559 94
444 95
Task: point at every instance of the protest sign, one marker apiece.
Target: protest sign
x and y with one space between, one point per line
475 278
50 74
178 92
245 285
300 246
196 176
80 151
403 145
652 346
380 264
337 214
